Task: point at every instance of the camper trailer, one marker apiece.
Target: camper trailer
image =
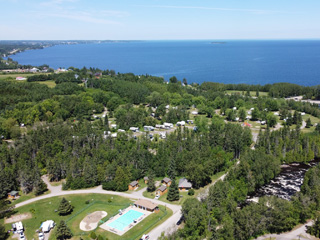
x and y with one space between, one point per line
47 226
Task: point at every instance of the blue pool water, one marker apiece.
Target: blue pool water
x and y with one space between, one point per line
125 220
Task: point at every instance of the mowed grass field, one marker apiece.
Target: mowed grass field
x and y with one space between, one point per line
252 93
46 210
12 76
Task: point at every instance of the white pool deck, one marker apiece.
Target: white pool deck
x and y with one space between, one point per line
131 225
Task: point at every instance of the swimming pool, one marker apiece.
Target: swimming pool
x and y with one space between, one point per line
122 222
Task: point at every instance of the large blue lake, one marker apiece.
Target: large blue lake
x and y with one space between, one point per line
252 62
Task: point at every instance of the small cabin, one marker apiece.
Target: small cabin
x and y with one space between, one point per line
161 190
13 195
133 185
146 179
166 181
184 184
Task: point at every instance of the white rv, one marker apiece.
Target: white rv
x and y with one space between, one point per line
47 226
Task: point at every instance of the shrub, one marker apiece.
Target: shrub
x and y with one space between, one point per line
109 185
93 235
191 192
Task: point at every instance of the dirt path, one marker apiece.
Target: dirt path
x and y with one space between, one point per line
205 193
298 233
52 189
17 218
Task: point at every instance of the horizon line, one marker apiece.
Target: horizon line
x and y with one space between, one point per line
200 39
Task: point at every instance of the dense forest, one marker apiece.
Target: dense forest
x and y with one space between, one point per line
56 131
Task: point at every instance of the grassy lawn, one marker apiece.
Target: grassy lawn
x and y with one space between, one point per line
313 119
252 93
55 184
50 84
45 210
24 197
14 75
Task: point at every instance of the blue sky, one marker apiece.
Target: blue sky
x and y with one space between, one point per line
159 20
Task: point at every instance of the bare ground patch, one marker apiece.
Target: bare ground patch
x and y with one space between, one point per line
91 221
17 218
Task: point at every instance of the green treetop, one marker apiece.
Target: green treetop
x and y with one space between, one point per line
65 207
63 232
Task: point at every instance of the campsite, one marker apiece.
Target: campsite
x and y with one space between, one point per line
84 205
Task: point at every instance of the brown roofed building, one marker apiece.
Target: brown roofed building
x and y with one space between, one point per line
184 184
161 190
133 185
166 181
146 205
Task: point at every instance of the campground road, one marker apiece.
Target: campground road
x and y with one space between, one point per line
205 194
168 226
299 233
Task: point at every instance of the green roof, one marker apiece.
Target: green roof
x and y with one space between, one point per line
13 193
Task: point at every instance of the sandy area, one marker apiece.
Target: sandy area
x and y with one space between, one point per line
91 221
17 218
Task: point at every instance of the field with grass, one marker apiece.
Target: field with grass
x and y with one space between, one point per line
24 197
313 119
252 93
50 84
84 204
14 75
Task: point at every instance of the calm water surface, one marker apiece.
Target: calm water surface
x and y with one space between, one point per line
252 62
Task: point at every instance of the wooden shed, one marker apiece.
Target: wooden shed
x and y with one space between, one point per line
13 195
166 181
133 185
161 190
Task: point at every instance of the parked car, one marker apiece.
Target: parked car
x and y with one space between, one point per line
21 236
180 220
145 237
41 236
157 197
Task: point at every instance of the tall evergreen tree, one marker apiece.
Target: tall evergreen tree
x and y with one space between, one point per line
3 233
172 169
173 194
65 207
242 114
308 123
255 114
121 180
106 123
151 183
63 232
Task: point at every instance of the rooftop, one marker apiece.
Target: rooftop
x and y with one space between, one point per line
184 183
162 188
166 180
146 203
134 183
